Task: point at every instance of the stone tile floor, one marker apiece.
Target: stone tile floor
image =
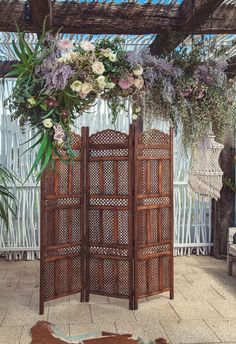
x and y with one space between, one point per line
203 311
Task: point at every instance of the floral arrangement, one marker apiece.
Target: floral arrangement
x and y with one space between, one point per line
59 80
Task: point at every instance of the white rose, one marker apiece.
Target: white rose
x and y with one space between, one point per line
76 86
139 83
101 82
86 89
112 57
48 123
111 85
106 52
71 57
87 46
134 116
98 68
138 109
138 71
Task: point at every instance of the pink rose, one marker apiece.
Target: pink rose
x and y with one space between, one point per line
65 44
125 84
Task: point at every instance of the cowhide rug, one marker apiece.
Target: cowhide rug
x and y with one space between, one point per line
45 333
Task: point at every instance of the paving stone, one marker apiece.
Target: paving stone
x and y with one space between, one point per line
10 334
147 330
12 297
70 314
25 338
109 313
225 307
23 315
27 284
189 331
227 292
165 297
193 293
3 273
205 260
185 260
20 273
201 279
159 308
74 299
183 269
9 283
225 329
60 302
194 310
3 311
78 329
98 299
180 280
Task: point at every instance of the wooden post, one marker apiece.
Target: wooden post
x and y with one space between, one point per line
223 209
135 215
85 255
172 212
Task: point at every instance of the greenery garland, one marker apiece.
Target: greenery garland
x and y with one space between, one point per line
59 80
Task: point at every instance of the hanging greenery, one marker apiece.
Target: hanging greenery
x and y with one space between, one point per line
8 201
59 80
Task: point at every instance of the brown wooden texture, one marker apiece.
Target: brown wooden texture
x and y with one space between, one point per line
39 10
124 18
62 224
153 214
107 218
196 16
73 17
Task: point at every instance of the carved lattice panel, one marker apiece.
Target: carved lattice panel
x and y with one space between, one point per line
153 214
62 228
109 217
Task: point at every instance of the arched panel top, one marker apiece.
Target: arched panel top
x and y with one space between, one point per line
154 136
109 136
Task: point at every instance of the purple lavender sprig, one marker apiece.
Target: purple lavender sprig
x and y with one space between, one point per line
55 75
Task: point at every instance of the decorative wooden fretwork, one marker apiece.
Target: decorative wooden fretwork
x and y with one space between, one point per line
106 218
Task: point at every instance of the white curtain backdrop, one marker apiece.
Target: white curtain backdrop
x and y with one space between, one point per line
192 218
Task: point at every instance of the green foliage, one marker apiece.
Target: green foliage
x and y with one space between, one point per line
7 199
58 81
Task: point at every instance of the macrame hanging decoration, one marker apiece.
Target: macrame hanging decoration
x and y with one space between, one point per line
205 174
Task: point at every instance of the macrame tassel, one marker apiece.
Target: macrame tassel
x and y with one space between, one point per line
205 174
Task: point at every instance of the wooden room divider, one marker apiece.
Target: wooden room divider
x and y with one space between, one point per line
106 218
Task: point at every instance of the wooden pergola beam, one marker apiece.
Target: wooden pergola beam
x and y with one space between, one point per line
39 10
91 18
193 15
123 18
